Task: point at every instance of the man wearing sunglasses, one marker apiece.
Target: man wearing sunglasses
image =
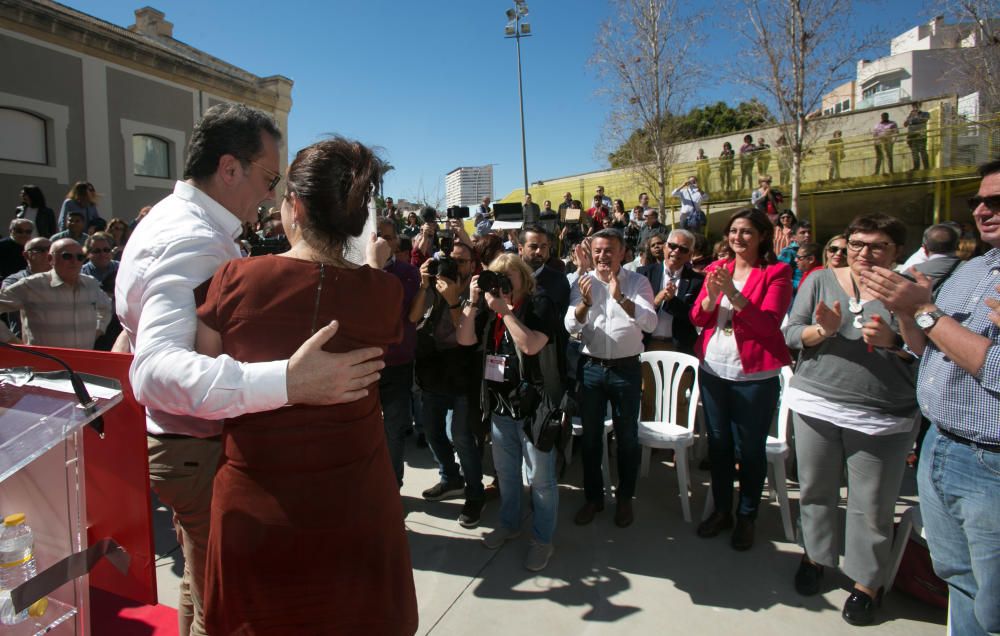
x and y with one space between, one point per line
36 254
98 249
60 307
231 167
12 247
958 388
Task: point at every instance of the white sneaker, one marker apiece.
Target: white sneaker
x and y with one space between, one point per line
538 556
496 538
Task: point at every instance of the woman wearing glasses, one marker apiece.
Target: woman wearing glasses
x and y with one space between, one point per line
82 198
740 308
283 557
835 252
854 402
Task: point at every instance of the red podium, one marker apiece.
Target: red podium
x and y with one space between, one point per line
115 476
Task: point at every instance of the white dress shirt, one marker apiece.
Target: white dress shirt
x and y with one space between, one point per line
179 245
691 198
664 319
608 332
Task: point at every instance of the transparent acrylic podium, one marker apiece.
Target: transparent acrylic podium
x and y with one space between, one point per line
41 475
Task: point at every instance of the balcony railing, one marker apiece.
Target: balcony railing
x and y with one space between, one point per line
883 98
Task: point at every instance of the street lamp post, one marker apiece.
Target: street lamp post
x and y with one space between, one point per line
517 29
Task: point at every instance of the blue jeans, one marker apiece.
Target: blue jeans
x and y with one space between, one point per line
394 390
960 504
510 447
459 439
622 386
738 414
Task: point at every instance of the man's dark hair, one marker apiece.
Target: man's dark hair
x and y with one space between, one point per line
890 225
990 167
533 228
75 213
801 225
609 233
227 129
941 239
428 214
810 249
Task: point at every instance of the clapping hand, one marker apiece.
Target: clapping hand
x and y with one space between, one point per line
614 288
666 294
585 284
876 333
898 294
829 318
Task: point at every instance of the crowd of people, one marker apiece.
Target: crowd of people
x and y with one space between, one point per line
271 380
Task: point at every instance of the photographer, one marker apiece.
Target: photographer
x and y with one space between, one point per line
448 375
426 242
521 388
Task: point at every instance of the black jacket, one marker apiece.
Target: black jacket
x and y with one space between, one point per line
679 306
45 222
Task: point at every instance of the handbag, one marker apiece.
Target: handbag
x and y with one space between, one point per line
546 409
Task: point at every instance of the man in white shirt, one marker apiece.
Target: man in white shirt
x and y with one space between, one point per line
232 165
692 216
610 308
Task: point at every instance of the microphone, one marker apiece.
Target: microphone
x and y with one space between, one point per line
79 387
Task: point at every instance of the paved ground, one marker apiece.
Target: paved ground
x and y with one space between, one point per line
654 577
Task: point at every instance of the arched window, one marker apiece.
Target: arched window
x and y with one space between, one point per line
22 137
150 156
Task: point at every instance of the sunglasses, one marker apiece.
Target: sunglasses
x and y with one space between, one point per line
37 250
802 258
275 177
833 249
101 250
992 203
21 231
683 249
68 256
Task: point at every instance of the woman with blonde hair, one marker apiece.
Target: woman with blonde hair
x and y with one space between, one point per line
82 198
518 325
835 252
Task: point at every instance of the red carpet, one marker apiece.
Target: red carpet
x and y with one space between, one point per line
112 615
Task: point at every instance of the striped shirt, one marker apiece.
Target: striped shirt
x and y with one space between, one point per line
958 402
56 314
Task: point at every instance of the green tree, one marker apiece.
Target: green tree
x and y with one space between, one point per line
704 121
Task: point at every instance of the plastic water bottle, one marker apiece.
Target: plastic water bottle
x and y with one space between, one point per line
17 565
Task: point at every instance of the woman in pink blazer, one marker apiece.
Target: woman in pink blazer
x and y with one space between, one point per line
742 350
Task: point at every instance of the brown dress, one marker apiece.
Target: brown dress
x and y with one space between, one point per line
307 529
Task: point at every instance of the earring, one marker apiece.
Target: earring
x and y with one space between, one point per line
293 225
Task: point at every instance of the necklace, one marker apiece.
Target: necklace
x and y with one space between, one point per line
854 305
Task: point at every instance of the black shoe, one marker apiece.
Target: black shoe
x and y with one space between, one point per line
807 577
716 523
444 490
859 609
471 512
742 538
586 514
623 514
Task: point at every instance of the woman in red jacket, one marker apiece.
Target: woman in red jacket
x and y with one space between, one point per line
740 309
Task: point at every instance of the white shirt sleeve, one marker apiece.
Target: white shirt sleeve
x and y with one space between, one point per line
166 373
570 321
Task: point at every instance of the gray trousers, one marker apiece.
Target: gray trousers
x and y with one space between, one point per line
875 465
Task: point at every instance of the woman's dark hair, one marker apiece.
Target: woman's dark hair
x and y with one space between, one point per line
888 225
727 146
334 180
786 213
80 191
621 205
35 197
486 248
760 223
700 247
748 138
227 129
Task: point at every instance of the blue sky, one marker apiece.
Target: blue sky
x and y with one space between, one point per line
434 83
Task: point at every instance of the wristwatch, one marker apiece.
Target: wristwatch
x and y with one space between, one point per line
927 319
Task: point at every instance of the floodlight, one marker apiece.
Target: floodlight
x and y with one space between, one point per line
522 8
525 28
511 15
509 30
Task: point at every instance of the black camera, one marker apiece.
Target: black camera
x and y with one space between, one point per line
495 283
444 240
458 212
271 245
445 267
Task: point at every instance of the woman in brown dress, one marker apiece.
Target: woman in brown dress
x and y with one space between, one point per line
307 529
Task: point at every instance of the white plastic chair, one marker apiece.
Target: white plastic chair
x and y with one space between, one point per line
777 453
663 431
